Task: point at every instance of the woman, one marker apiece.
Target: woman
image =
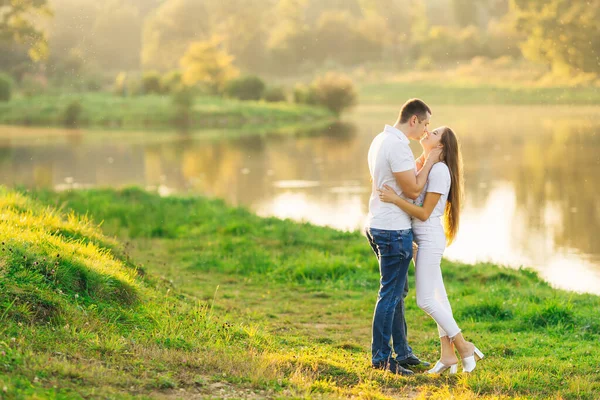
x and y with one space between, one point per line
440 198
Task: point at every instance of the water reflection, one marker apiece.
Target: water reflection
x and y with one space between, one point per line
531 178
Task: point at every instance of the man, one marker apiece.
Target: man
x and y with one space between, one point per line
388 229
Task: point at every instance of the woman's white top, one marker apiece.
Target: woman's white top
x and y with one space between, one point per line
438 182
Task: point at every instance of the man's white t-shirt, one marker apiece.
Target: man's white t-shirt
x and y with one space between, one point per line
438 181
389 153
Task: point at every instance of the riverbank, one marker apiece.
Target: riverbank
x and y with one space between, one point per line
195 298
104 110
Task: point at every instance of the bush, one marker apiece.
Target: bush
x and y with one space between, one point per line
304 95
93 83
275 94
6 85
151 83
335 92
245 88
72 114
171 82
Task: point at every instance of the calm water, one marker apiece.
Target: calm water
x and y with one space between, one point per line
532 177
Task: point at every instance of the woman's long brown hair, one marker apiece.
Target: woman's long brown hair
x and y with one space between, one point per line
451 155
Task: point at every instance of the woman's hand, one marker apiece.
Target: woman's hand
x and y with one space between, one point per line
388 195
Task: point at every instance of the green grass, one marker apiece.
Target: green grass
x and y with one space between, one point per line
222 303
105 110
444 93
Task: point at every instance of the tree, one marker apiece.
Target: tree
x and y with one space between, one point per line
170 30
291 37
70 37
331 26
207 62
15 59
244 28
116 35
16 25
561 33
466 12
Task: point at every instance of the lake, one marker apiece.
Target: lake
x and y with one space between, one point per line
531 177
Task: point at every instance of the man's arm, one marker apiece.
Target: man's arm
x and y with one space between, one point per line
412 185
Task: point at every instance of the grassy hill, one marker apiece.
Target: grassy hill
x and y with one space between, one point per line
124 294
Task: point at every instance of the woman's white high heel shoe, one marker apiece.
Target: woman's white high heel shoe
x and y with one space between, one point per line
470 362
440 367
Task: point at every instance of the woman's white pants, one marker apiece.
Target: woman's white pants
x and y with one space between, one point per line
431 293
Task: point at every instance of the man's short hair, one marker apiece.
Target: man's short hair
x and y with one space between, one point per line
414 107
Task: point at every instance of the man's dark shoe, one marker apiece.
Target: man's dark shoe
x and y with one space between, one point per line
394 368
413 361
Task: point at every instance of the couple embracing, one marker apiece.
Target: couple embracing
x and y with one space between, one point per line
414 201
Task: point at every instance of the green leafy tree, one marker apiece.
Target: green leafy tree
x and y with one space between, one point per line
291 38
564 34
116 37
244 28
466 12
70 39
358 44
17 24
169 31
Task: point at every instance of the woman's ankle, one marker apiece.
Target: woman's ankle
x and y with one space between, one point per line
447 354
465 349
448 360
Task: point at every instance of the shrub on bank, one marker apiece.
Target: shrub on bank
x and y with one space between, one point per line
245 88
171 82
303 95
72 114
6 85
334 91
151 83
275 94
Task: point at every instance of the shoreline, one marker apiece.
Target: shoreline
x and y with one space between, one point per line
151 112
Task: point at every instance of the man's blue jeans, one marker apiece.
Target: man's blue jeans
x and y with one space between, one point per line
394 252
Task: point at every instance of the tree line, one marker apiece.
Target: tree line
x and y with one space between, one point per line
66 38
